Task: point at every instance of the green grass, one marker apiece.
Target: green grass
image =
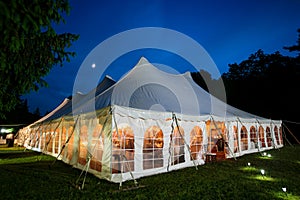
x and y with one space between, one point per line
29 175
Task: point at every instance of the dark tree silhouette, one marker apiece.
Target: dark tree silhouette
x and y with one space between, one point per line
30 47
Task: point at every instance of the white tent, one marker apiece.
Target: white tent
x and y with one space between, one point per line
148 122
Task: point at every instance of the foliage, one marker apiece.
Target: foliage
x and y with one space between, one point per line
30 47
31 175
267 82
20 114
295 47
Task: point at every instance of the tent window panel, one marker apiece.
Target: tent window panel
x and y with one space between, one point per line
196 144
97 146
268 135
262 136
42 146
244 138
177 146
253 138
63 140
70 143
235 140
152 148
56 142
33 139
83 142
49 142
123 149
37 139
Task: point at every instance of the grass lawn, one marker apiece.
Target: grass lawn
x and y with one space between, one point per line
27 175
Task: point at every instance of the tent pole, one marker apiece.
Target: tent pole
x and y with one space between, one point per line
170 145
176 122
273 136
223 138
258 136
119 138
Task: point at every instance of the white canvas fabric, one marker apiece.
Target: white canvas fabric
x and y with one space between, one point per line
148 122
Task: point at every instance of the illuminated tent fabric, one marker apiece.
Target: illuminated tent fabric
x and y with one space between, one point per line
146 86
65 108
150 122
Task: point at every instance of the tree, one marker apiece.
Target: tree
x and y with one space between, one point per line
30 46
20 114
295 47
265 84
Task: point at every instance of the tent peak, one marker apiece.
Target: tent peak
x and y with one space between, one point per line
109 77
142 61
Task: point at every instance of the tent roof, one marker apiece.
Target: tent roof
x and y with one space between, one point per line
148 88
65 108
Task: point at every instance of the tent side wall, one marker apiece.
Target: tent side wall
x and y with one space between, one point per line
152 143
115 141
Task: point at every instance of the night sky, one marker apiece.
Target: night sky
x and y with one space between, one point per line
228 30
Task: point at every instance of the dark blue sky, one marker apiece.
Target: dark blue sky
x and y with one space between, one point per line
229 31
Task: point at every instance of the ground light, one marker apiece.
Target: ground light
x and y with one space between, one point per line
269 155
284 190
262 171
249 164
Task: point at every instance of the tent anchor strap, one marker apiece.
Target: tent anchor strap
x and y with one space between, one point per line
287 139
291 133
